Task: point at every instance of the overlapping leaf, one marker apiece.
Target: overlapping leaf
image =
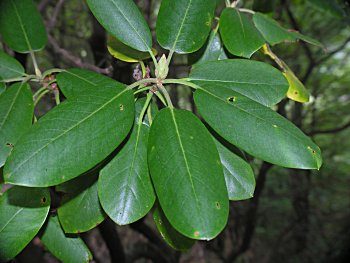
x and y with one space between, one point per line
21 26
22 213
124 186
16 113
184 25
256 80
123 20
68 249
257 129
80 209
240 36
9 67
187 174
72 138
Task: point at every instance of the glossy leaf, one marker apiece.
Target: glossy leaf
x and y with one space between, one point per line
187 174
239 176
79 82
183 25
274 33
16 113
256 80
123 20
71 138
21 26
125 53
240 36
80 209
257 129
297 90
22 213
68 249
9 67
125 188
172 237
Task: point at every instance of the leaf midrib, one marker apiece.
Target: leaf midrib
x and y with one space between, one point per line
68 130
127 20
236 82
12 217
21 25
181 26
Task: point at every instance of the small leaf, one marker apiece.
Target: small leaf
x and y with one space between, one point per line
184 25
239 34
125 53
123 20
80 82
125 188
256 80
274 33
187 174
297 90
16 113
80 209
68 249
9 67
21 26
22 213
239 176
71 138
257 129
172 237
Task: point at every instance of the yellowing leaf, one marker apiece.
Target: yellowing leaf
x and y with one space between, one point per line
297 90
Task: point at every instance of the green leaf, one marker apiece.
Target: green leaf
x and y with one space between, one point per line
239 176
21 26
80 209
22 213
257 129
184 25
68 249
125 53
240 36
124 186
256 80
16 113
79 82
211 51
72 138
2 87
297 90
187 174
9 67
138 108
274 33
123 20
172 237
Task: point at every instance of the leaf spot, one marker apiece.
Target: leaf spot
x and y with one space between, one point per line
218 206
121 107
231 99
43 200
312 150
8 144
191 137
295 92
275 126
196 234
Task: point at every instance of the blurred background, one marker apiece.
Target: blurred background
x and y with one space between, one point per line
295 215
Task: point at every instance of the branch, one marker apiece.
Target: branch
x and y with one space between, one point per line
76 61
52 22
330 131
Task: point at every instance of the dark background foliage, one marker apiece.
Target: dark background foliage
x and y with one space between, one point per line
295 216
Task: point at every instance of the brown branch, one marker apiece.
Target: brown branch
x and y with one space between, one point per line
330 131
76 61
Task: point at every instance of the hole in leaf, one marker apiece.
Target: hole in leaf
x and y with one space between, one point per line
43 200
121 107
231 99
296 93
8 144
